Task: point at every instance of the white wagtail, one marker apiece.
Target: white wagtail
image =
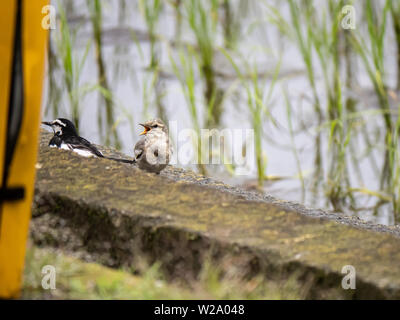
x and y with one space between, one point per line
66 137
153 151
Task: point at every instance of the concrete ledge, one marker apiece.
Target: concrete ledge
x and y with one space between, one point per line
118 215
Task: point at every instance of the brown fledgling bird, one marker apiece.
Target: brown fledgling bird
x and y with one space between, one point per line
153 151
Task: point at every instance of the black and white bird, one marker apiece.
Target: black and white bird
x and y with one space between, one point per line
66 137
153 150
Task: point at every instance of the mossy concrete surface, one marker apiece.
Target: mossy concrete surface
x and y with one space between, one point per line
118 215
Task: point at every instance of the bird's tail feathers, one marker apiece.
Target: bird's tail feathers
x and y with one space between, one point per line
120 160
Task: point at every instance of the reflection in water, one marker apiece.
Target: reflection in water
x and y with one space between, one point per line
319 98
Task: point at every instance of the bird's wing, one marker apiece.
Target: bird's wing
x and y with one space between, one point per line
81 143
139 148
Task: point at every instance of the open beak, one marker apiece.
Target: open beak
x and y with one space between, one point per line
146 129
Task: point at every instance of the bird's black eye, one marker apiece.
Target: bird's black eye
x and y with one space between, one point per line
155 126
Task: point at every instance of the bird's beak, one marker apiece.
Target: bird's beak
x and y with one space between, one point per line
146 129
50 125
47 123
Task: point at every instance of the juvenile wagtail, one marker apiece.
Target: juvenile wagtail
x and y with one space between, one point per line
152 151
66 137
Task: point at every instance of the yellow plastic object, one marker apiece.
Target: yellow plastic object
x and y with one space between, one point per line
16 214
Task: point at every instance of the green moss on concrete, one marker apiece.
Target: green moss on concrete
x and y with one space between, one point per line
115 212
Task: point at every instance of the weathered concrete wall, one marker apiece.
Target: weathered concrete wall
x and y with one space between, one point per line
118 215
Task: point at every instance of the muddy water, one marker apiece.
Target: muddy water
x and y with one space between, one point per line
126 63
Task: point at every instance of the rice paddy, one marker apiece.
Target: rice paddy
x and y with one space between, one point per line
317 81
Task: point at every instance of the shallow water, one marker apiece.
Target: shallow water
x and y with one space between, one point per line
128 78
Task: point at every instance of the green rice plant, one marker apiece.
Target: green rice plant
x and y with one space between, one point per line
153 93
228 24
177 5
320 40
339 138
111 134
395 12
147 90
275 17
351 107
394 165
151 10
202 17
301 31
232 21
54 91
289 116
372 55
258 104
304 41
152 88
326 42
185 73
159 94
72 64
321 34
